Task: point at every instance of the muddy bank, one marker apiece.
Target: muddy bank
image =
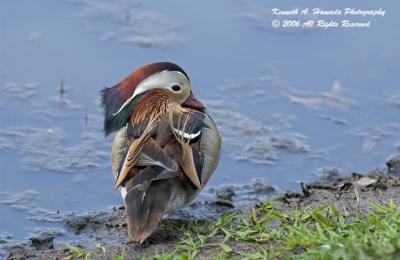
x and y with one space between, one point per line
102 235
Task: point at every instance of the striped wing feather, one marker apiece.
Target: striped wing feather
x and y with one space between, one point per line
161 165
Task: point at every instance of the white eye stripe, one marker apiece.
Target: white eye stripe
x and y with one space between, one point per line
158 80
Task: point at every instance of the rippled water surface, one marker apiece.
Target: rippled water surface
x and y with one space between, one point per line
288 102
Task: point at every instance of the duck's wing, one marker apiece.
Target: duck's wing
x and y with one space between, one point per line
201 145
149 174
197 154
209 148
156 167
142 142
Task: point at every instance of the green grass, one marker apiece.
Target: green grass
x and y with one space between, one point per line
269 233
77 253
319 233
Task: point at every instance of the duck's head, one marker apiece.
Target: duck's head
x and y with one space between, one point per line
119 100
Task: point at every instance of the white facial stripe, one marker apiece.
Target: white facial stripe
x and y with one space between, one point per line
163 79
186 135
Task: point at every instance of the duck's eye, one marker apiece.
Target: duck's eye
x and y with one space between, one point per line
176 88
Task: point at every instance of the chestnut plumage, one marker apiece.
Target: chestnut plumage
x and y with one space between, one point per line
166 147
113 98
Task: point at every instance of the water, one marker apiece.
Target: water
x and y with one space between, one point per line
288 103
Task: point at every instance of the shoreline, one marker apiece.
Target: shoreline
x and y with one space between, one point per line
102 235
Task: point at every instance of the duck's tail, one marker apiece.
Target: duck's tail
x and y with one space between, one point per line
145 209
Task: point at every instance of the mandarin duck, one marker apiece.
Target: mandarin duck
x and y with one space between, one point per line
166 146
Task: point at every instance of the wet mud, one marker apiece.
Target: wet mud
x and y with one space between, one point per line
104 233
